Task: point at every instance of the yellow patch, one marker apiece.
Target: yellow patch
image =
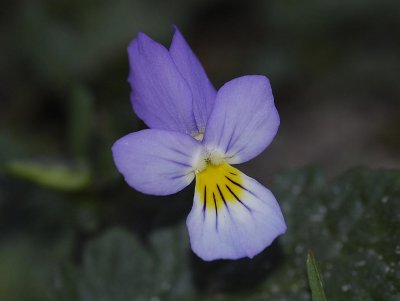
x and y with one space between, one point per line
219 184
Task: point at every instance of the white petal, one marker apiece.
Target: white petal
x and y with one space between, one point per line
241 224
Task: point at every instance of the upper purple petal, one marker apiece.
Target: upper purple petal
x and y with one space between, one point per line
244 119
160 95
156 161
189 66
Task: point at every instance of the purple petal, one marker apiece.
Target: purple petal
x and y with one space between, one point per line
160 96
156 161
244 119
243 225
189 66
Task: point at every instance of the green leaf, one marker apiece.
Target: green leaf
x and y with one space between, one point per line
117 267
352 223
57 176
172 280
314 279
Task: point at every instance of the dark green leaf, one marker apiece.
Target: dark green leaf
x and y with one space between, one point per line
117 267
172 280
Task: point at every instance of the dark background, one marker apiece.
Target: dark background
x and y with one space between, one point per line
64 99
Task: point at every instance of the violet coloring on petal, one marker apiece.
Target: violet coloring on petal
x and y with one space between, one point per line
197 132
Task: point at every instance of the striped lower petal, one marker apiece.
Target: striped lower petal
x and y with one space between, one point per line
233 216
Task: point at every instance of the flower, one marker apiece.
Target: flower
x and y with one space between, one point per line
199 133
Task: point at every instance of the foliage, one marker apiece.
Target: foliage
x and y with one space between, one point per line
353 226
116 266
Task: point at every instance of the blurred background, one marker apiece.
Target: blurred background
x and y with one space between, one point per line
334 69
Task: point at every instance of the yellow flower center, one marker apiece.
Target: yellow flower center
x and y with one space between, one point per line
217 185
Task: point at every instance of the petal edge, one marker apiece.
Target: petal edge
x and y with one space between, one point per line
160 96
193 72
156 162
235 229
244 119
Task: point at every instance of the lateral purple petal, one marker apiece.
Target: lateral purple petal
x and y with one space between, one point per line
189 66
244 119
155 161
160 96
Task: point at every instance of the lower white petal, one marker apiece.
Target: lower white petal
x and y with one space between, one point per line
233 216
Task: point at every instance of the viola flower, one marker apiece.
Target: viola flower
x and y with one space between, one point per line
199 133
